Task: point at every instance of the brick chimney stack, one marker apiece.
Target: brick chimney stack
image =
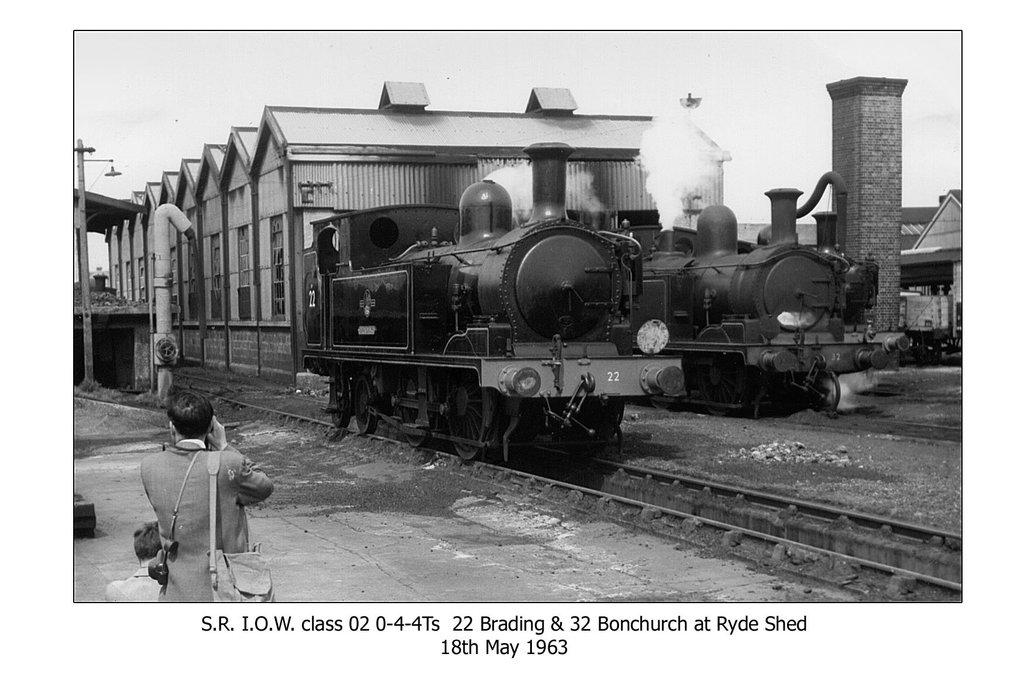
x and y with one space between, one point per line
867 150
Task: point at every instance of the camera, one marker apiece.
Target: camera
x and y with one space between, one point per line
159 572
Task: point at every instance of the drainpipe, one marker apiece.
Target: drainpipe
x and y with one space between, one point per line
164 345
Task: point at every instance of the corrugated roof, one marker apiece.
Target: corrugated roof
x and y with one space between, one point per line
360 127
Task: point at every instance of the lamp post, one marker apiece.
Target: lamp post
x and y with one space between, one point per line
83 263
82 239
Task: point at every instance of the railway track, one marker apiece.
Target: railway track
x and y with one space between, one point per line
676 505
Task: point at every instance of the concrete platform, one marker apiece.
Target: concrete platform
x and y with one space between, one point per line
490 548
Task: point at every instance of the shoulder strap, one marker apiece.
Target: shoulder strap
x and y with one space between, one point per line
213 467
181 492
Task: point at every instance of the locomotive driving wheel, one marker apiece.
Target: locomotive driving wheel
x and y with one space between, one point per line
340 401
467 416
723 383
362 399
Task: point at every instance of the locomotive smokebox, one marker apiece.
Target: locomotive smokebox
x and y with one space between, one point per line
827 226
549 171
716 232
783 215
485 210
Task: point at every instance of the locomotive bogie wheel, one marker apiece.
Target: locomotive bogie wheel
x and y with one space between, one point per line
366 421
466 417
722 384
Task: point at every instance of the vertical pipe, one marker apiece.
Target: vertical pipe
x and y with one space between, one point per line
165 216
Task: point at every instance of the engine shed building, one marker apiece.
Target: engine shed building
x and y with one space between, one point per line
253 200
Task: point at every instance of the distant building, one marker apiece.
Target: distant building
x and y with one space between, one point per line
932 257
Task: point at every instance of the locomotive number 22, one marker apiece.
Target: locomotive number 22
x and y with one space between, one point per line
613 376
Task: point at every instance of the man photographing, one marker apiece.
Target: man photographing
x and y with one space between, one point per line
176 479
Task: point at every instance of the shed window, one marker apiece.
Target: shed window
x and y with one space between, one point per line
277 266
244 269
142 279
244 274
215 276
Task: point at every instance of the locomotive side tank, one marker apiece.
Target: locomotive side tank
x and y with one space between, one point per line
777 323
463 326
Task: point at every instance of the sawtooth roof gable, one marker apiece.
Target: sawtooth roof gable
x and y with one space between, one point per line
209 168
186 180
952 203
238 153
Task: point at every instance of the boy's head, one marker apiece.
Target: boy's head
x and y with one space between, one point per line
147 541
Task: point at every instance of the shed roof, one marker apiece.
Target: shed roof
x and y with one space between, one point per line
368 131
103 213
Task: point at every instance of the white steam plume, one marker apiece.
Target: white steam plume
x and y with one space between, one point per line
518 181
853 385
678 161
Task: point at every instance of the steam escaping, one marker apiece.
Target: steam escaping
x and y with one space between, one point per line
518 182
853 385
679 162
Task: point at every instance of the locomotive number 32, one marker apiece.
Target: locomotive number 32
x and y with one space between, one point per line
613 376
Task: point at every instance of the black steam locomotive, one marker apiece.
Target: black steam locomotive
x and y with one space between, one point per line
773 323
458 325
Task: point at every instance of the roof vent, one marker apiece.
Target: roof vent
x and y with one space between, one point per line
398 96
551 101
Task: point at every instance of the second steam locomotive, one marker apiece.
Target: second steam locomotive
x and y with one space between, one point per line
462 326
777 323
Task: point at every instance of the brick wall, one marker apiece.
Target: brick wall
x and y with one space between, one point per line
215 347
192 349
244 350
276 352
867 148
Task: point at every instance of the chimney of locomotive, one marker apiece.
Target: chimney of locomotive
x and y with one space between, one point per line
783 215
827 222
549 171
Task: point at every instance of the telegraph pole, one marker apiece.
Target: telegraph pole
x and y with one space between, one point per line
82 238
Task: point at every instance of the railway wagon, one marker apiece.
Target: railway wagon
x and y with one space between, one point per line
777 323
460 325
933 324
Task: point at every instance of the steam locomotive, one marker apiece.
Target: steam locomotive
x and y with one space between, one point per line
777 323
458 325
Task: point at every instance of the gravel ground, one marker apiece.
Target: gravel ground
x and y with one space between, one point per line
858 460
911 479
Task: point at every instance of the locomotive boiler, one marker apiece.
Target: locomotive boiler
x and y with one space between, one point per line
458 324
776 323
